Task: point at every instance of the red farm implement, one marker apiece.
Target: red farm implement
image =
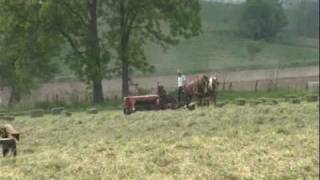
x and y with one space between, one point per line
157 101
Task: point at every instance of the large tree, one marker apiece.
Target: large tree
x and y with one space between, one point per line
134 23
77 22
26 52
73 21
304 18
263 19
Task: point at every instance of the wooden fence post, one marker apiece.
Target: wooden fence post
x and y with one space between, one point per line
256 86
57 98
230 86
47 99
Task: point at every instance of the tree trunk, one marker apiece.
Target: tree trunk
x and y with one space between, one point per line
124 50
97 92
14 96
93 53
125 70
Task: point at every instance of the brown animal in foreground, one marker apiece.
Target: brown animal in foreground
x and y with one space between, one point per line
198 88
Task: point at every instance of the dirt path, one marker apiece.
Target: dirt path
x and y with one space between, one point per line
247 75
242 80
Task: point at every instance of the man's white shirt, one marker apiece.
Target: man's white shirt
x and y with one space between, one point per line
181 80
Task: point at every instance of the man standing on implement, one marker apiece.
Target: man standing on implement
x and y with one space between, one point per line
181 83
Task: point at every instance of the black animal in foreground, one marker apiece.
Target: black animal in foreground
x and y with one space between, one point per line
7 145
8 139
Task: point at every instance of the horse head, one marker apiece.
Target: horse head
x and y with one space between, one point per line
213 82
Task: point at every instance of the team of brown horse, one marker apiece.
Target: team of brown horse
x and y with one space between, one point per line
203 88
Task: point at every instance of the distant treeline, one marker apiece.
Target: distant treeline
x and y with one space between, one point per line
304 18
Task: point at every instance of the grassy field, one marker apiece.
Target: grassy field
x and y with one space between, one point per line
224 96
233 142
111 104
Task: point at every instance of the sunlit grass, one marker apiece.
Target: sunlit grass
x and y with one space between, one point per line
233 142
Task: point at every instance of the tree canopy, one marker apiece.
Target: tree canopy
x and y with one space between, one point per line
27 47
134 23
34 32
263 19
304 18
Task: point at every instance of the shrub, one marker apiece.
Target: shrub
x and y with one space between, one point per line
263 19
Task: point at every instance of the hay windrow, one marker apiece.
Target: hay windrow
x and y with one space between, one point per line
239 142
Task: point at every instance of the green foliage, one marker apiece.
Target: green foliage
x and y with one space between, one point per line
134 23
304 18
27 47
263 19
71 22
41 29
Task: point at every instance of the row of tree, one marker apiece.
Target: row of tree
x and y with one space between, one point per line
264 19
304 16
102 37
99 38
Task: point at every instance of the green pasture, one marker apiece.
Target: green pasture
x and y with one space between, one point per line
233 142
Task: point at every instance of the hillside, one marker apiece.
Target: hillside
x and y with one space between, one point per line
220 46
233 142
